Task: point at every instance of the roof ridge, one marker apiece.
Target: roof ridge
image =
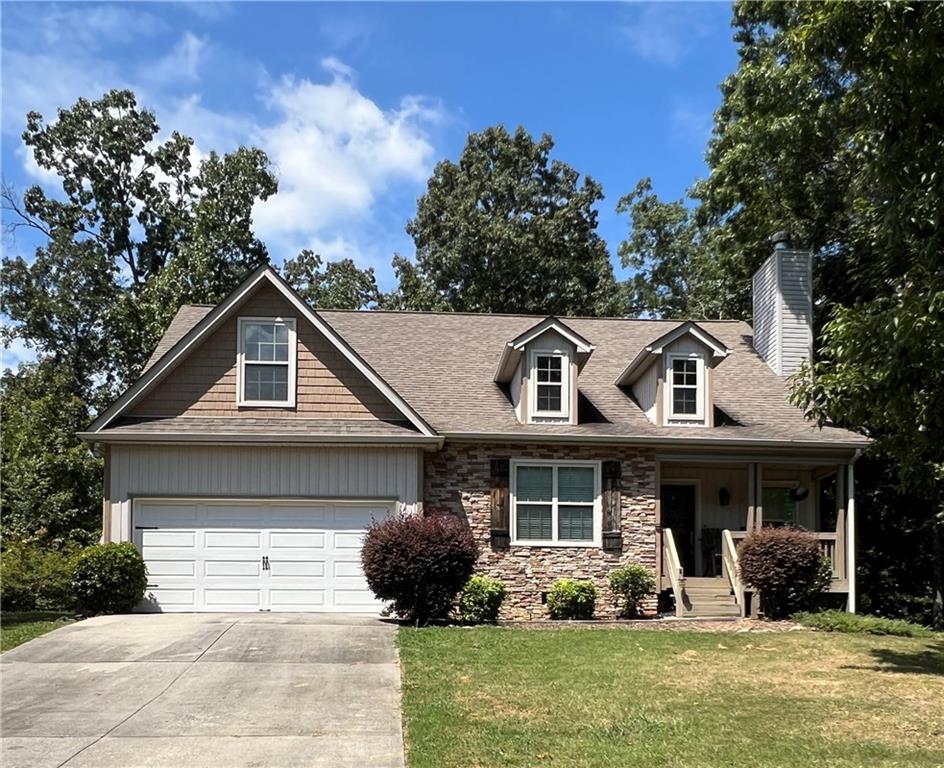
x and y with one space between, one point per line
523 315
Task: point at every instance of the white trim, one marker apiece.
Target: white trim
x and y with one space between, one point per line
564 357
552 324
554 541
640 363
216 317
851 538
291 363
700 389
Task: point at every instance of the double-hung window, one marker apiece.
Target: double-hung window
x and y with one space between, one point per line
685 388
556 503
266 361
550 372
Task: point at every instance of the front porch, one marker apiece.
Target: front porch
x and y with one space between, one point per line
707 506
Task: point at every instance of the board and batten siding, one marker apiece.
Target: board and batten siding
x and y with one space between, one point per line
783 310
646 392
138 471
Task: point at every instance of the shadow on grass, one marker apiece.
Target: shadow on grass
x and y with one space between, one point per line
15 618
928 660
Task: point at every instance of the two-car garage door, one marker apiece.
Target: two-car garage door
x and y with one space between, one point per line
252 555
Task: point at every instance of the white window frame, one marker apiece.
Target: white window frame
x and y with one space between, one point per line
597 541
564 357
241 362
699 415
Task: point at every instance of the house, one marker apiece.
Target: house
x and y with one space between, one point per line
264 436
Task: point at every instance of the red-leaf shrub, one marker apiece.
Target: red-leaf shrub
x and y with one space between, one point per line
419 563
786 566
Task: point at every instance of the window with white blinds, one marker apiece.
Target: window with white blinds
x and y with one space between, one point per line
556 503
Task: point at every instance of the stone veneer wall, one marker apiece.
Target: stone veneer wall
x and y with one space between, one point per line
457 480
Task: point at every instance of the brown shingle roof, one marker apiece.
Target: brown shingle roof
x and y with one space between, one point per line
443 365
185 319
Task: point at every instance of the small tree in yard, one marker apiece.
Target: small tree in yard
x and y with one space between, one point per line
419 563
786 567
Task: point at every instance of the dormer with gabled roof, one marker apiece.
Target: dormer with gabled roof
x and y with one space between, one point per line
541 368
671 376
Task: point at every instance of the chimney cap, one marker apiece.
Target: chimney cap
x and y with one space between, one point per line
780 240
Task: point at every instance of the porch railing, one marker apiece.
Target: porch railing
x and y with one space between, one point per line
729 567
673 569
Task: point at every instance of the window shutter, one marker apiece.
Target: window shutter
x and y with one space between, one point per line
500 470
612 481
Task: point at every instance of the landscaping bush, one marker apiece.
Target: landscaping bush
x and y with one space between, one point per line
786 566
36 579
481 599
571 599
109 578
632 584
840 621
419 563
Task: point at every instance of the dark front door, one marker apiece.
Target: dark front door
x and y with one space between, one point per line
678 513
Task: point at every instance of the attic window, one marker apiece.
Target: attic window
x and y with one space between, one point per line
266 362
686 395
550 371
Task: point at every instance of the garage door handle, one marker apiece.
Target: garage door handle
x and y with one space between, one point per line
265 563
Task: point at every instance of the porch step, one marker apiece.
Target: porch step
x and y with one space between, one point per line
709 598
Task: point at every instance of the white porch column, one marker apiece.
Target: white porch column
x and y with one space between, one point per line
851 540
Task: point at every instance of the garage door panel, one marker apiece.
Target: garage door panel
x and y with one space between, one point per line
208 555
233 539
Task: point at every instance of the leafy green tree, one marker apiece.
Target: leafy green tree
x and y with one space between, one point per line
507 229
130 208
335 285
52 485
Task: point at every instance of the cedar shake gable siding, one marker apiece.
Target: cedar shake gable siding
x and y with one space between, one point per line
327 386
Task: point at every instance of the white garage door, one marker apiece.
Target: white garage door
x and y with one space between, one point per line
242 555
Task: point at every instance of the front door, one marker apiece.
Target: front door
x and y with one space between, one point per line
678 513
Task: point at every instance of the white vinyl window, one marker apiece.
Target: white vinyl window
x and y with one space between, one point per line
686 376
266 355
556 504
550 372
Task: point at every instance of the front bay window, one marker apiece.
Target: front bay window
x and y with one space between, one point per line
556 503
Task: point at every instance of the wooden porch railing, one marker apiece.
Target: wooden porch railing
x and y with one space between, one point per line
673 569
729 567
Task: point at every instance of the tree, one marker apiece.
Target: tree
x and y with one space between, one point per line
52 484
507 229
338 285
130 209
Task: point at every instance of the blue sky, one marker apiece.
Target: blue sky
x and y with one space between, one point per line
355 103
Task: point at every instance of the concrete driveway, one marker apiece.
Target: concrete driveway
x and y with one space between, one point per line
205 690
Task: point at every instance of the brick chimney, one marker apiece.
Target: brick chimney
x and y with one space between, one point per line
783 306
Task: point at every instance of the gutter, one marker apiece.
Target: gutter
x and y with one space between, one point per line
241 438
669 442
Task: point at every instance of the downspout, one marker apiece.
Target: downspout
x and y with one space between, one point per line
851 535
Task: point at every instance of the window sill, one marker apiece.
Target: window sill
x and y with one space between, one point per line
558 544
265 404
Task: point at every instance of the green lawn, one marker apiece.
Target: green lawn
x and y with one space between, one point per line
613 697
17 628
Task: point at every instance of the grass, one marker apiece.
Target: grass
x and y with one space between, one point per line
840 621
613 697
17 628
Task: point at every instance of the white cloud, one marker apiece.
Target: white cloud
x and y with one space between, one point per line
181 64
335 150
665 32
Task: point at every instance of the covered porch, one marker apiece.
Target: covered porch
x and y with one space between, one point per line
707 505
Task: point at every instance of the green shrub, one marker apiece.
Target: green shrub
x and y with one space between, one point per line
786 566
109 578
840 621
36 579
632 584
481 599
571 599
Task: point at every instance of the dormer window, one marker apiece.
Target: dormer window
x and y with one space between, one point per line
685 382
266 362
549 379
